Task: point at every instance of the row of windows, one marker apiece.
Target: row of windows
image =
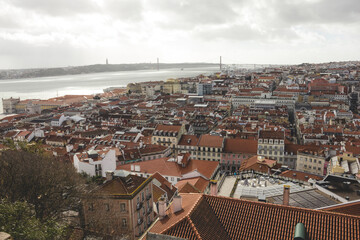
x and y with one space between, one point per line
314 168
165 139
271 141
271 147
311 160
270 152
107 207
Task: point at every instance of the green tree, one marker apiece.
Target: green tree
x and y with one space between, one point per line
19 220
50 186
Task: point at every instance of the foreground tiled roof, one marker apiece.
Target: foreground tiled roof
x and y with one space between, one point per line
213 217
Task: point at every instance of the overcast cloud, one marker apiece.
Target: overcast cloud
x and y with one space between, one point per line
51 33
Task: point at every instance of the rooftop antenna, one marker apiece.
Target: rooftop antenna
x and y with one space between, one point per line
107 62
158 65
220 64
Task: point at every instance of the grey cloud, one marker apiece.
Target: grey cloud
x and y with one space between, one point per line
124 9
189 14
231 32
320 12
56 7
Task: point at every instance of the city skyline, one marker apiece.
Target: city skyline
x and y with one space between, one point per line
39 33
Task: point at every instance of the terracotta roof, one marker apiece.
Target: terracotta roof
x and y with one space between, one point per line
300 175
198 183
256 164
238 145
350 208
165 185
214 217
123 186
166 128
269 134
170 168
157 193
188 188
207 140
188 140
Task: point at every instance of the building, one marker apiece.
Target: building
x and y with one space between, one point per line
345 163
235 151
9 105
167 135
188 144
311 161
265 100
271 144
210 147
95 163
204 89
121 207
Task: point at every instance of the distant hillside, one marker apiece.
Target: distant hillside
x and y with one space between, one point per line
47 72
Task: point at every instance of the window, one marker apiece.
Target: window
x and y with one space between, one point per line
107 207
124 222
142 196
172 178
122 207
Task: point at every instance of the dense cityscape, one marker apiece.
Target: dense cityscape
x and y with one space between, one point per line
260 153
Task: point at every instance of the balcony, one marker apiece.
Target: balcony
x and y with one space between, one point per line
148 196
149 210
139 205
140 221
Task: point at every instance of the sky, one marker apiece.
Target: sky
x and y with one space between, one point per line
59 33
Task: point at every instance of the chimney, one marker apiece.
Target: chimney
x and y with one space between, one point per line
213 188
162 208
109 175
286 195
177 204
300 232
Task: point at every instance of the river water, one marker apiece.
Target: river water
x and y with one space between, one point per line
48 87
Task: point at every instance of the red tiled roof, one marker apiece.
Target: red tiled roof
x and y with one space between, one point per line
300 175
238 145
352 208
166 128
198 183
188 140
208 140
213 217
188 188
